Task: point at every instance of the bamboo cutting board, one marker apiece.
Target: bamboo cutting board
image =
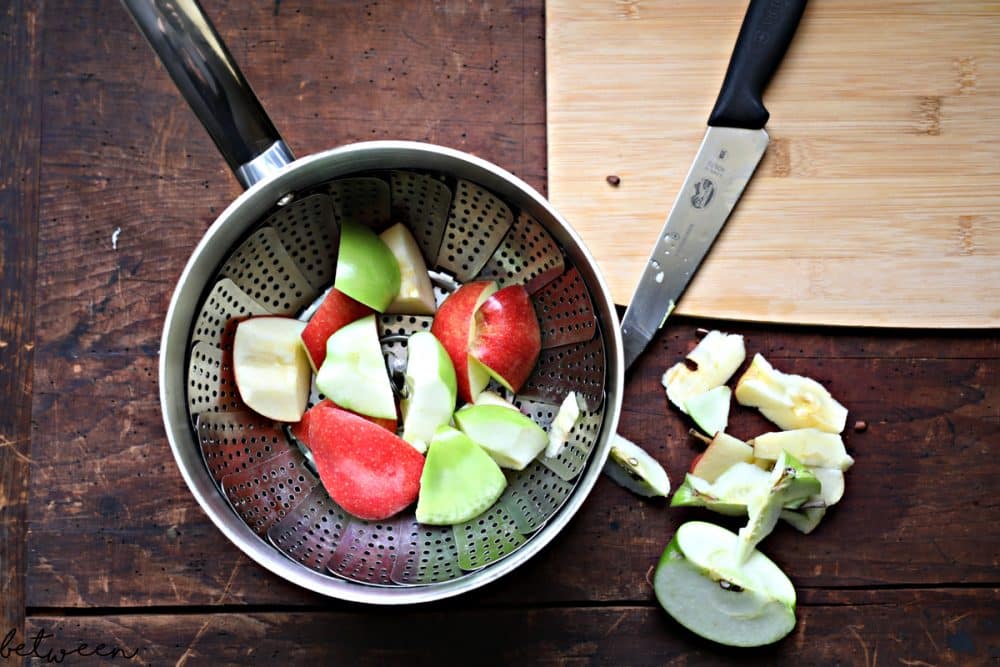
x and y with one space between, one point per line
878 201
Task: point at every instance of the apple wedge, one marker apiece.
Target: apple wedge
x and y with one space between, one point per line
459 482
354 375
710 410
631 467
701 585
453 326
336 311
811 446
723 452
416 294
709 365
790 401
370 472
431 389
367 271
271 368
729 494
790 482
506 338
512 439
560 428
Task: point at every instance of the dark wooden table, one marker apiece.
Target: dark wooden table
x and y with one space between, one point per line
100 540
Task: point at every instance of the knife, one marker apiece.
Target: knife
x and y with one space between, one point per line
730 152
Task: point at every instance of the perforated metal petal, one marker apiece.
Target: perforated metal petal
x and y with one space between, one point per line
226 304
210 382
426 554
565 311
560 370
527 256
311 531
533 495
309 232
263 269
477 223
265 492
363 199
576 451
422 201
487 538
366 552
237 440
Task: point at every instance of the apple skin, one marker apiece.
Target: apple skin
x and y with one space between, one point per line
506 338
300 429
370 472
366 269
336 311
453 327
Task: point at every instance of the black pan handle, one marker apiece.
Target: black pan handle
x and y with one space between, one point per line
211 82
764 37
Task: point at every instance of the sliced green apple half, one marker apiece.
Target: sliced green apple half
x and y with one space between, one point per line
271 368
701 585
431 389
459 481
353 375
367 271
631 467
510 438
416 294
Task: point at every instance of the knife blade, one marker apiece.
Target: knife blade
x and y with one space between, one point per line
729 154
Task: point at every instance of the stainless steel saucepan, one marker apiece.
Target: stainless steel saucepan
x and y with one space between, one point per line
273 251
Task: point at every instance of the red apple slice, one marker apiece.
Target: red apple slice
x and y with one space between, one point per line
300 429
370 472
336 311
506 337
453 327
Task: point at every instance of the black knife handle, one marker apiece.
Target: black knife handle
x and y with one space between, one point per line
764 37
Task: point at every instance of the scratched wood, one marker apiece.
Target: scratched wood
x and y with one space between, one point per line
111 525
20 56
876 201
955 627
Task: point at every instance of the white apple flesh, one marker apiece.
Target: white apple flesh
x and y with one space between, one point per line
700 584
813 447
716 357
790 401
723 452
710 410
416 294
560 428
271 368
354 375
431 389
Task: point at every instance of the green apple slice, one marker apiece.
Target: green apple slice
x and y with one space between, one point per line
701 585
813 447
431 389
353 375
710 410
367 271
790 482
493 398
804 520
416 294
729 494
565 420
631 467
459 481
510 438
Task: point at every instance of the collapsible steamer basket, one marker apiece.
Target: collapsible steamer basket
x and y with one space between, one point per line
273 250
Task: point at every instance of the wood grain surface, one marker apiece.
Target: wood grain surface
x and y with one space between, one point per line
904 570
876 202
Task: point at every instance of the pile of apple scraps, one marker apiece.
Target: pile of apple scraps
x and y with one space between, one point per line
715 582
455 436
